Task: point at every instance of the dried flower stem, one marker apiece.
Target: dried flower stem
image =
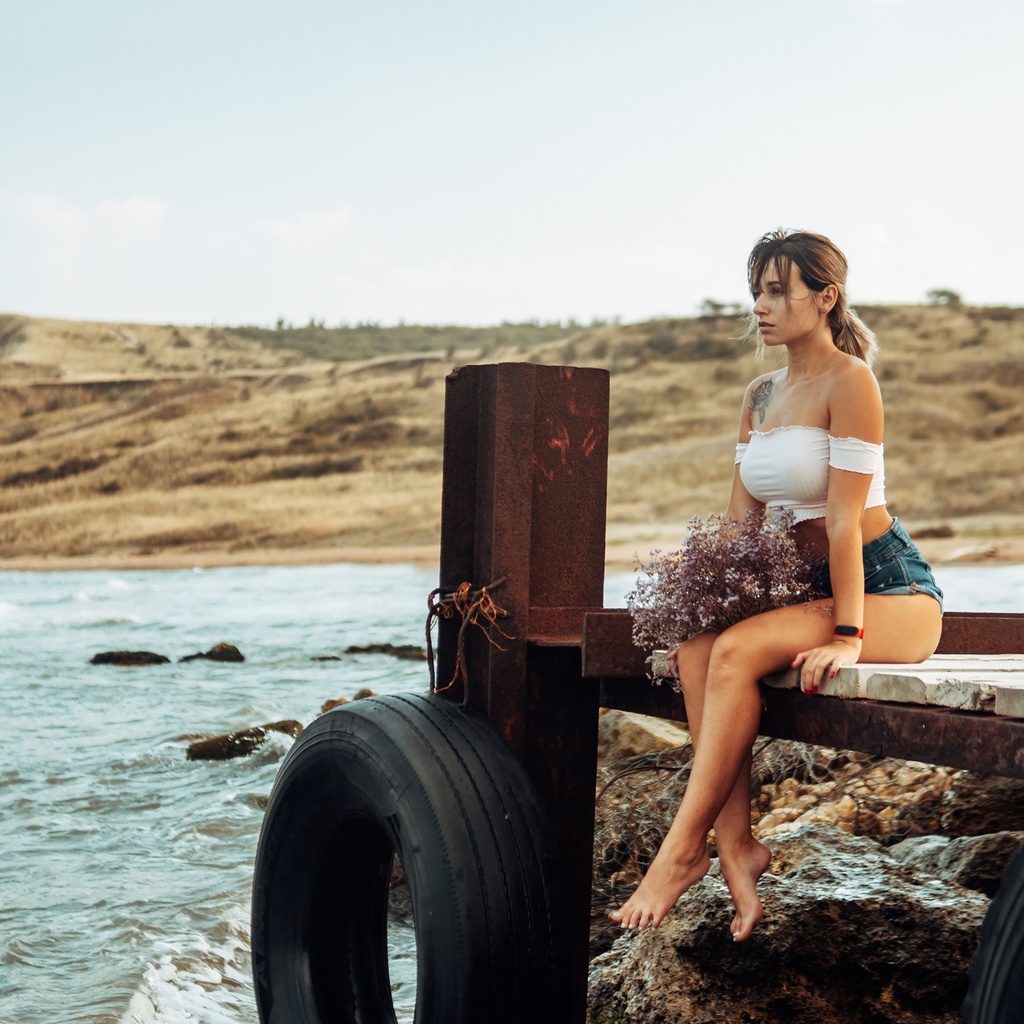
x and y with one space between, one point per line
727 571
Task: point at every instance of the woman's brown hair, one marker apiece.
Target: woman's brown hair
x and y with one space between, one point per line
820 263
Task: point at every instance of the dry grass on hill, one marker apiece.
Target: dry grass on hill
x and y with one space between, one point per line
133 439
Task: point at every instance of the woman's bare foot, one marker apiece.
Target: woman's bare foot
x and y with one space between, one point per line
741 870
666 880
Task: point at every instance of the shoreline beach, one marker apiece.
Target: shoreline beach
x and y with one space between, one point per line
621 552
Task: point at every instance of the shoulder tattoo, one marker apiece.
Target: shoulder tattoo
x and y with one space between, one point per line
760 398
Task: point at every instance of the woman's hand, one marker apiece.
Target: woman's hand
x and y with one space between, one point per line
813 664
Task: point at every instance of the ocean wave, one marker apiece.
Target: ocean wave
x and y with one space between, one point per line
113 620
198 977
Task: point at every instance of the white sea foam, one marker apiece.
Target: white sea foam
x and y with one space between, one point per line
198 978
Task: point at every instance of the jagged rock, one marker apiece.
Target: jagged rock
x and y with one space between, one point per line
975 862
128 658
324 657
337 702
622 735
408 651
399 897
849 935
977 805
218 652
238 744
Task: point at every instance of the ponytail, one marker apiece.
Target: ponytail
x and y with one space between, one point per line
850 334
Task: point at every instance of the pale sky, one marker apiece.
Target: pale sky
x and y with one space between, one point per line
236 161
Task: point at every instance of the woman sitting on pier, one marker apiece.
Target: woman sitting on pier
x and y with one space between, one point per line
810 441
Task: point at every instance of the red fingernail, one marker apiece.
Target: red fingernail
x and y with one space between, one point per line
832 674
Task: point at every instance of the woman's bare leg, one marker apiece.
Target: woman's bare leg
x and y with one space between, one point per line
897 629
681 862
742 858
729 718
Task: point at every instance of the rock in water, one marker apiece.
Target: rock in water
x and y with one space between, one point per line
218 652
128 658
238 744
848 935
408 651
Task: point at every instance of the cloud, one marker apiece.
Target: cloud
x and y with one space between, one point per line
603 279
60 230
311 227
135 216
41 210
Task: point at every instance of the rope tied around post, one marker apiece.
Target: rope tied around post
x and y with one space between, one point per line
474 608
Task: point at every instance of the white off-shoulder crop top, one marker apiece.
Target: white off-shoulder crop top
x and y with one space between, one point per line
787 468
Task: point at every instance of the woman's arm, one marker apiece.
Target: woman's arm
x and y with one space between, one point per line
855 409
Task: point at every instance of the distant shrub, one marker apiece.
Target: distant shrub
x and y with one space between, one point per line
943 297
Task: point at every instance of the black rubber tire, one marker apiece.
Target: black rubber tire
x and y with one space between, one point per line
431 782
995 990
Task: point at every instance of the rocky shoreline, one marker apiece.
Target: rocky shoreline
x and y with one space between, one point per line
881 874
623 545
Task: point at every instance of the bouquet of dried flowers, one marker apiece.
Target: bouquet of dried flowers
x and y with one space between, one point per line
726 572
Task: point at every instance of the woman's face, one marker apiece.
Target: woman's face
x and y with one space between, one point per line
786 311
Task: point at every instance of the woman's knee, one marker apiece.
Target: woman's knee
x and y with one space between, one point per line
691 660
735 660
726 652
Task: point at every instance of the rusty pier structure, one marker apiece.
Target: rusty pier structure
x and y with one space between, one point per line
524 505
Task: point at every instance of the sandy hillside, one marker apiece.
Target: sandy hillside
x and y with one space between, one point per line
147 444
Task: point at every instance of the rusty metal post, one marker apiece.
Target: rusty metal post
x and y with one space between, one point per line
523 512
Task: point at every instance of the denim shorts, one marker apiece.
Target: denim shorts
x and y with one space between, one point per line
892 565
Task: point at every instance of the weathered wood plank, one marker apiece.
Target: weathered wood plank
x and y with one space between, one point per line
963 683
975 684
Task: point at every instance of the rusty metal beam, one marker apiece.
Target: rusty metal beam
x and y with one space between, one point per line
608 648
982 633
958 739
523 502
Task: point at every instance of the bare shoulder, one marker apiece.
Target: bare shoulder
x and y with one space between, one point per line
855 401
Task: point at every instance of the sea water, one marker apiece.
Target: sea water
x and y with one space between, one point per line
126 869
